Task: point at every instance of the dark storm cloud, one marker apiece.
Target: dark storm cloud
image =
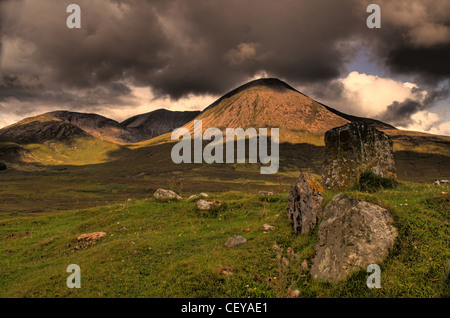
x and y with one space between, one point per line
399 113
414 39
179 47
431 62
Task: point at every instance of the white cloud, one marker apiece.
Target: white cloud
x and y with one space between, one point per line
369 95
429 122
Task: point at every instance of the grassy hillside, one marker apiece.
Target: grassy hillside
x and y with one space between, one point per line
171 249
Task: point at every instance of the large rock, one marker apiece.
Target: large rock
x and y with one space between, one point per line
305 199
353 149
162 194
352 235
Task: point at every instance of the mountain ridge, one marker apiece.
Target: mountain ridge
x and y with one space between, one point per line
65 125
270 102
267 102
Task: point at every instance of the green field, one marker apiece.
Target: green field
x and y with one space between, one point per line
172 249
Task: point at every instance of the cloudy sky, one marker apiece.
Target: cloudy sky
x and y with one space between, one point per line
132 57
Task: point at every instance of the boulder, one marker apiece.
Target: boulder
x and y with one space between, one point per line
353 149
352 235
235 240
207 204
2 166
162 194
305 199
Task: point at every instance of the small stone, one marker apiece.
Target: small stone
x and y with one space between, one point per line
235 240
265 193
91 236
293 293
207 204
304 265
162 194
268 227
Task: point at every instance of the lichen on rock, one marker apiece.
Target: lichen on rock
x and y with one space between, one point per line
305 199
353 149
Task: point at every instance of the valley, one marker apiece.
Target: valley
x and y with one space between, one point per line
71 173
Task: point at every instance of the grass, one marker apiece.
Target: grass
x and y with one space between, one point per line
171 249
369 181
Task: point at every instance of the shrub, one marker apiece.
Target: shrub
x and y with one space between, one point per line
369 181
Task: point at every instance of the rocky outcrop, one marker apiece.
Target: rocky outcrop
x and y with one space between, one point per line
353 149
305 199
352 235
162 194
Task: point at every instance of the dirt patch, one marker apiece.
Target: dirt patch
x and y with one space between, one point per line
16 235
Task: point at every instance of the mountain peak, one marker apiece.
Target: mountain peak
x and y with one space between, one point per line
271 83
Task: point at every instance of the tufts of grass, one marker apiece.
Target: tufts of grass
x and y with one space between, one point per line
169 249
369 181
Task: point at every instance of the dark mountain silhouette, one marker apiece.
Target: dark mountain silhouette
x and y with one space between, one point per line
66 125
158 122
39 129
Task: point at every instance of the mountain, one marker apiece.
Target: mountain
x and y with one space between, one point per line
273 103
262 103
97 126
39 129
66 126
158 122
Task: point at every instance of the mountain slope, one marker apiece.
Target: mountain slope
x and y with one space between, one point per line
273 103
39 129
66 126
97 126
158 122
